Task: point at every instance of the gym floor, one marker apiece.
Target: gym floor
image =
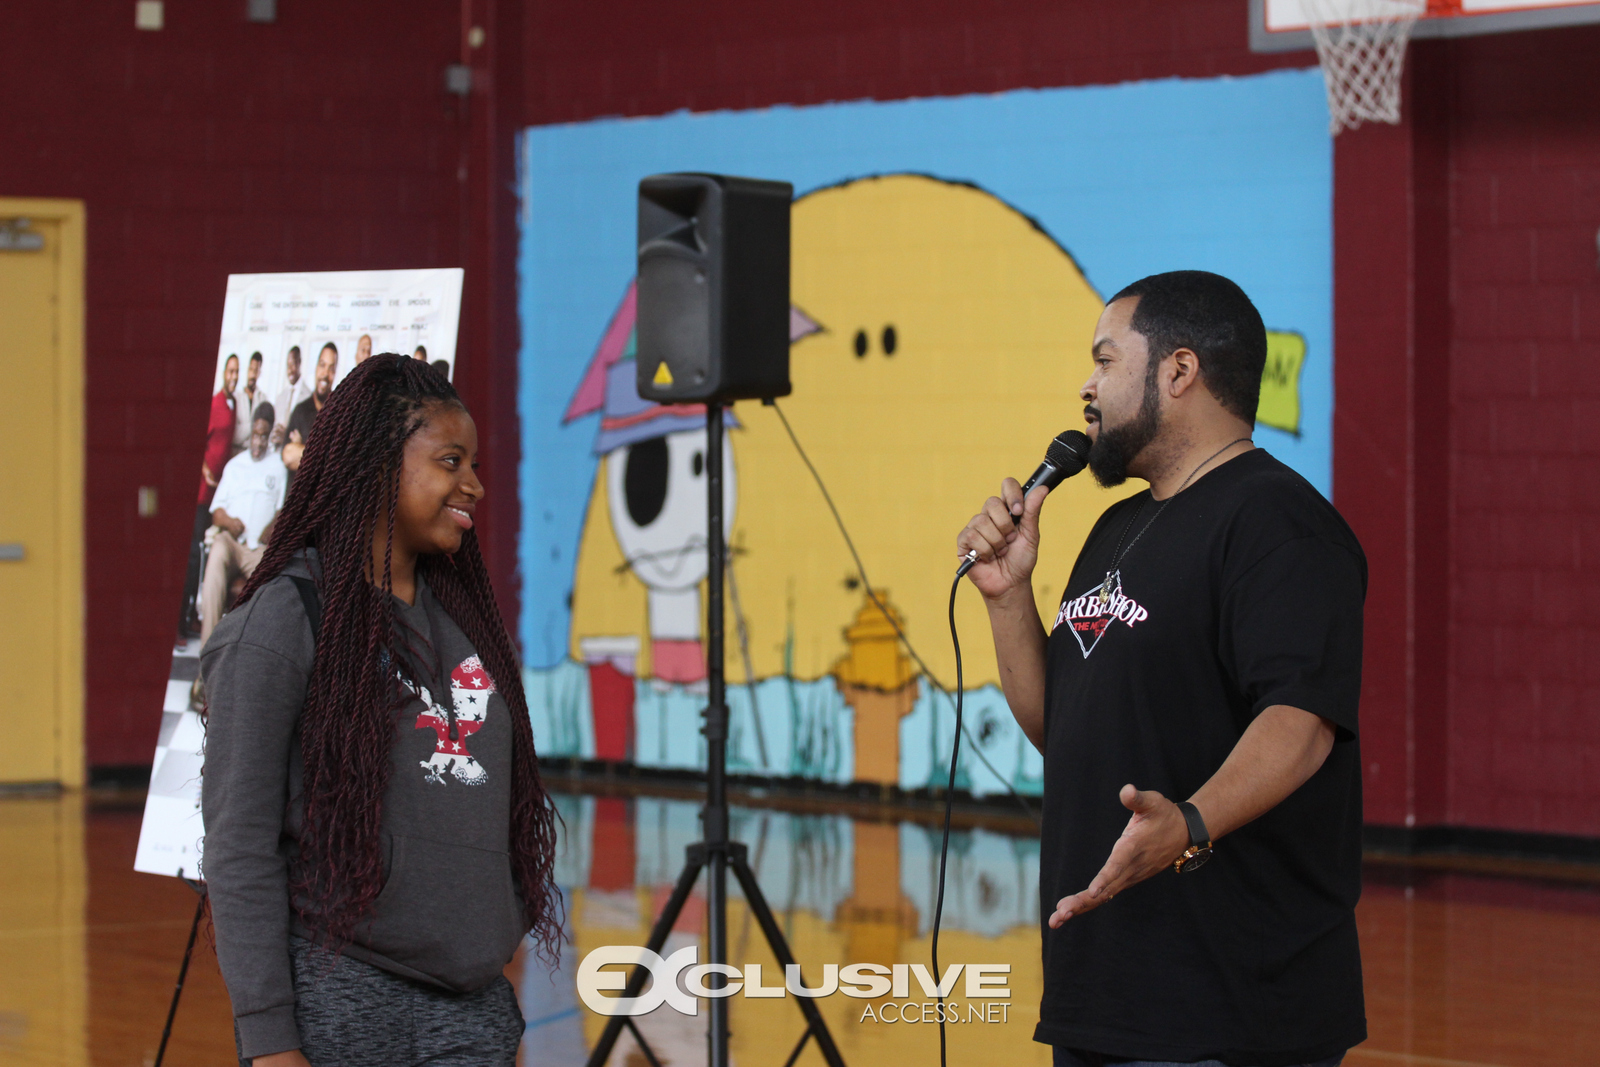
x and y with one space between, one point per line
1468 963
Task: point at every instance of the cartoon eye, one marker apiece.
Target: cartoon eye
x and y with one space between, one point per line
890 340
697 464
644 480
861 343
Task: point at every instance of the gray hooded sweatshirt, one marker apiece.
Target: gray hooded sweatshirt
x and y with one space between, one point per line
448 915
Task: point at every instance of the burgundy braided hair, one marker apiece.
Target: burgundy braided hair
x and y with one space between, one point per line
347 488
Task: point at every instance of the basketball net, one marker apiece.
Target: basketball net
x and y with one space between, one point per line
1361 45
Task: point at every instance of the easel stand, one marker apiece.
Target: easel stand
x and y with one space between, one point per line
716 853
183 971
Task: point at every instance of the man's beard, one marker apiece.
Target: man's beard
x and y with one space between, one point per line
1114 449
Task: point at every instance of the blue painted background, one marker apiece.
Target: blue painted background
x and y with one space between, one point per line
1232 175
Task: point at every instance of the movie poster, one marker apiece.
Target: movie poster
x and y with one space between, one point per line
287 342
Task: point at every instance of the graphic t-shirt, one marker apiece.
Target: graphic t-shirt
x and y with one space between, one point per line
1246 592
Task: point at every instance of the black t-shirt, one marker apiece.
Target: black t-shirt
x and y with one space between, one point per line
301 418
1246 592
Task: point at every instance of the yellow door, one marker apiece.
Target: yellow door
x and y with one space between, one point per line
41 490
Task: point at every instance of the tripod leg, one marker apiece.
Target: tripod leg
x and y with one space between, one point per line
658 938
644 1046
780 948
798 1048
717 1032
183 972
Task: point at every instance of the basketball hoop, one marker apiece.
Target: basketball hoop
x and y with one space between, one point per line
1361 45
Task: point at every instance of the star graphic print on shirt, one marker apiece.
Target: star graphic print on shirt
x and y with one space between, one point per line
470 687
1090 615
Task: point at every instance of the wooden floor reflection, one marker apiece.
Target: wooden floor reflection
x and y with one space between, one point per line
1462 969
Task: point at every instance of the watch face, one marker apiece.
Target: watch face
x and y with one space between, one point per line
1194 859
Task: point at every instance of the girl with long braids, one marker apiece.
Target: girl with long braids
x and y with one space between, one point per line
378 841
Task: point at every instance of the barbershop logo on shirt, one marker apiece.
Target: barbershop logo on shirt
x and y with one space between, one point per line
1090 616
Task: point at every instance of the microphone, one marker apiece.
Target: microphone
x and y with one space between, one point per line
1067 455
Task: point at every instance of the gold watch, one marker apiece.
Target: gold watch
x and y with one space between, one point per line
1199 851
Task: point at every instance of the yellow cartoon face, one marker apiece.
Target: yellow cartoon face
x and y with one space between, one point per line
953 335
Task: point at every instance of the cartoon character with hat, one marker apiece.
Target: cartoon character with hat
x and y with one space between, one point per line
653 464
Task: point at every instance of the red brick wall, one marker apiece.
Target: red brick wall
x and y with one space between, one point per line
324 141
1524 618
586 61
1391 432
1465 445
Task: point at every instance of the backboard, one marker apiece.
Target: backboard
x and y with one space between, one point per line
1281 26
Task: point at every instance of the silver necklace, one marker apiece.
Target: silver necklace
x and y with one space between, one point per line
1117 556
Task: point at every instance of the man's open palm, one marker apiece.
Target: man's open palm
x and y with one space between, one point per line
1155 836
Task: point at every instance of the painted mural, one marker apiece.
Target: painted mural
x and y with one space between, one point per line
944 289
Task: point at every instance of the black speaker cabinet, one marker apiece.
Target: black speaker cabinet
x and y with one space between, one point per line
713 288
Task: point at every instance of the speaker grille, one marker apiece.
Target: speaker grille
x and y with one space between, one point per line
675 327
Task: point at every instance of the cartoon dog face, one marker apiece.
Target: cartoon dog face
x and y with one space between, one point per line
656 492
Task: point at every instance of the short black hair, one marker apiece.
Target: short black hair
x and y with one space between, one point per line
443 367
1213 317
264 410
255 357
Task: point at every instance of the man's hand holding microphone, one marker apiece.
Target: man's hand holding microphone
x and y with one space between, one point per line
1001 543
999 549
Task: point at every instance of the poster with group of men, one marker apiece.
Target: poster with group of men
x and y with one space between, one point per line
287 342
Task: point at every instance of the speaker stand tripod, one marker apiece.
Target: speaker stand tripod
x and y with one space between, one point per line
716 854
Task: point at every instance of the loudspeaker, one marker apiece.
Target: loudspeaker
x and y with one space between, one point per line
713 288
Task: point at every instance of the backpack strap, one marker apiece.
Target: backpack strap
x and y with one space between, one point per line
312 602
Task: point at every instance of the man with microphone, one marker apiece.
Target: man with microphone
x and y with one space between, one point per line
1195 700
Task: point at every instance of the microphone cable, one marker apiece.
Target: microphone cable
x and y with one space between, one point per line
957 699
1067 455
883 608
949 796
